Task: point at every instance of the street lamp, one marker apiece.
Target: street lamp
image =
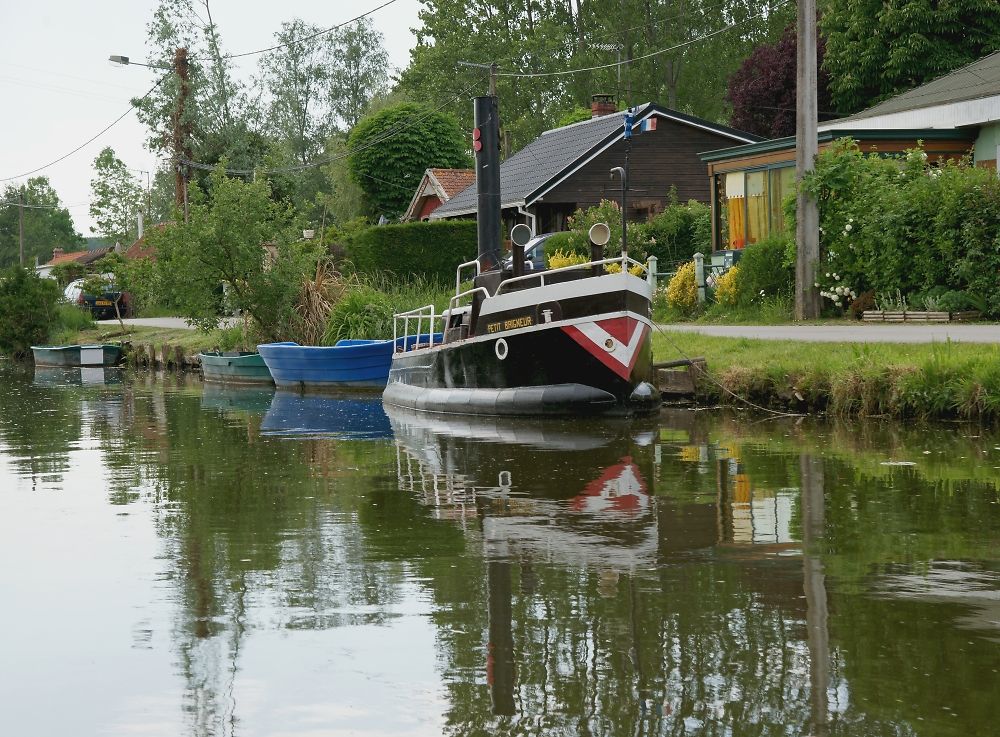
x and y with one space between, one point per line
125 61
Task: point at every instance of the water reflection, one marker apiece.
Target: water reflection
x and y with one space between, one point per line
406 573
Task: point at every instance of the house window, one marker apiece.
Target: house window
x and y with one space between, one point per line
750 204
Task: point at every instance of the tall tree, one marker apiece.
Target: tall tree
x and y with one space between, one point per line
361 71
878 49
762 91
47 223
675 52
388 171
116 199
295 79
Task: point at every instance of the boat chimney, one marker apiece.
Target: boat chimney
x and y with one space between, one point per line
486 143
602 105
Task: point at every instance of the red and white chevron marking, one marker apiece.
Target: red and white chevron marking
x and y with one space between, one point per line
615 342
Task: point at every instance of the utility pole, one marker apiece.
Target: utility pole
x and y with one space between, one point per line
493 79
807 303
20 226
182 131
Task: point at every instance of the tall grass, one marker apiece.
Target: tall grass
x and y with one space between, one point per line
928 381
69 321
366 308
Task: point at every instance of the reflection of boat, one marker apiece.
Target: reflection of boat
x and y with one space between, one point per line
76 375
234 367
359 418
251 399
569 491
104 354
349 363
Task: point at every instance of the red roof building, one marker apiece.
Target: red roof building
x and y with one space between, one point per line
437 187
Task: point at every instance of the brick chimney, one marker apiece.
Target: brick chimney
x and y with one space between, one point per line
602 105
57 252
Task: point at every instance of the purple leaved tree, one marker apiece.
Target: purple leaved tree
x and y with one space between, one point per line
762 91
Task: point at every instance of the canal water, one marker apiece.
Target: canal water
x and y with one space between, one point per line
182 559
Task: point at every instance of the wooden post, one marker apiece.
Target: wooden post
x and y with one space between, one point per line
807 302
651 272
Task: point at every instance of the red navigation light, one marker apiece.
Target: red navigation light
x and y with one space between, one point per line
477 144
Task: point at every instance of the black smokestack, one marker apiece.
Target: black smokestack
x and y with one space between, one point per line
486 142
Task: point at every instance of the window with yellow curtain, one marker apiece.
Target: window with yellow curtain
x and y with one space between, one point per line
757 206
735 210
782 185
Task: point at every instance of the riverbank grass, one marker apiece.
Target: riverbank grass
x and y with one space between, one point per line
936 380
190 341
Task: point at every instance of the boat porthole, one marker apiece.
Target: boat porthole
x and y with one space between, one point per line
609 345
501 349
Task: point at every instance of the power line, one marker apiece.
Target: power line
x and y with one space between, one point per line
624 62
311 36
90 140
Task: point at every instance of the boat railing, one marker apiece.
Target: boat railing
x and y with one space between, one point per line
458 272
422 316
624 261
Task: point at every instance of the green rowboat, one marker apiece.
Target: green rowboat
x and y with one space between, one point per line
234 367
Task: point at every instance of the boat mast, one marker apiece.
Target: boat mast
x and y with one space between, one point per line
486 143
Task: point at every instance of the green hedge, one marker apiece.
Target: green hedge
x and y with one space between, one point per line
27 310
431 249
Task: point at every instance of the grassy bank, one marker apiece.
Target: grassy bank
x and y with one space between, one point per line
939 381
190 341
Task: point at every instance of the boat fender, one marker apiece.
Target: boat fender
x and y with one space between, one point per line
642 393
500 348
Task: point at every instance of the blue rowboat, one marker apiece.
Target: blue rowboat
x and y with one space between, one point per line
234 367
105 354
349 363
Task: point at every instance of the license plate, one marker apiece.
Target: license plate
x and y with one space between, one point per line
103 303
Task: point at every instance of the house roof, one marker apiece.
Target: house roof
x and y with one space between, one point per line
452 181
65 258
544 162
441 183
975 81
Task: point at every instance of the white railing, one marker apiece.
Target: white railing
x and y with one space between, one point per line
624 261
458 273
420 315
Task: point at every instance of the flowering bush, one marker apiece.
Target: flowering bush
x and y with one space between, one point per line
727 287
682 291
906 224
560 258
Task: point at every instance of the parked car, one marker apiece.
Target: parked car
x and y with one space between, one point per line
101 306
534 253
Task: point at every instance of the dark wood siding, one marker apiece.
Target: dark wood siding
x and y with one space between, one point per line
659 159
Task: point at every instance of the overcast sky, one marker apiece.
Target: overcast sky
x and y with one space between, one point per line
59 89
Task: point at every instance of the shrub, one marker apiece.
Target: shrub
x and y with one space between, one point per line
906 225
27 310
679 232
682 291
362 313
429 249
763 271
728 286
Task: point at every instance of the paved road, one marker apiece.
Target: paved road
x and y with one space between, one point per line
162 322
856 333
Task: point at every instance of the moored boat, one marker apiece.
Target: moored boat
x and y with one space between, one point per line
349 363
105 354
566 341
234 367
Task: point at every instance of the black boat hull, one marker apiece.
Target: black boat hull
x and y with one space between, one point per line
594 365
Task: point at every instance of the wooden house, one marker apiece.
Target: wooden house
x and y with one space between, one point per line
568 168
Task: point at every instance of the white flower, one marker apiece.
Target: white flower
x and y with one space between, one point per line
816 284
837 277
761 292
849 227
828 275
850 220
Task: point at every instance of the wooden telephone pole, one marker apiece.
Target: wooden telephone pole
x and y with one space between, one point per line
807 302
20 226
182 131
